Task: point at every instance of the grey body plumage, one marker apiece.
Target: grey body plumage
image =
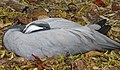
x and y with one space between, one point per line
63 37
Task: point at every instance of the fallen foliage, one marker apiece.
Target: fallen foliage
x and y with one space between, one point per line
81 12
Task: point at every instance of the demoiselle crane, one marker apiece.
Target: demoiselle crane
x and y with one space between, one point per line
54 36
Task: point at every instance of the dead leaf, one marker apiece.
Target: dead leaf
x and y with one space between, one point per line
38 13
1 46
72 7
35 1
35 69
95 67
37 59
116 16
92 16
80 65
17 6
107 3
12 56
114 68
115 6
42 17
85 19
3 53
93 53
87 9
19 60
23 19
99 3
2 26
117 29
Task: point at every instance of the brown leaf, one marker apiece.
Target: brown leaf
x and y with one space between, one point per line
80 65
92 16
72 7
17 6
37 58
2 26
93 53
85 19
115 68
115 6
42 17
116 16
20 60
35 1
38 13
35 69
46 66
38 62
99 3
23 19
117 29
1 46
95 68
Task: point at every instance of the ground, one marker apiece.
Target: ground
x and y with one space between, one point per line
81 12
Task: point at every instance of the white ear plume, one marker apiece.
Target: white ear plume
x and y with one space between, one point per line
31 28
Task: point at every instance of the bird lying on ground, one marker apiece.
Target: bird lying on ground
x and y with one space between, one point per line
54 36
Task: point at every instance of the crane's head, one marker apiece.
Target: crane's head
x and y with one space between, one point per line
34 27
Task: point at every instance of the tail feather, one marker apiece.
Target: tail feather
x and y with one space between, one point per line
104 30
97 25
101 22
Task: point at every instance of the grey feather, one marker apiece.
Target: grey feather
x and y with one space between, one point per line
65 36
